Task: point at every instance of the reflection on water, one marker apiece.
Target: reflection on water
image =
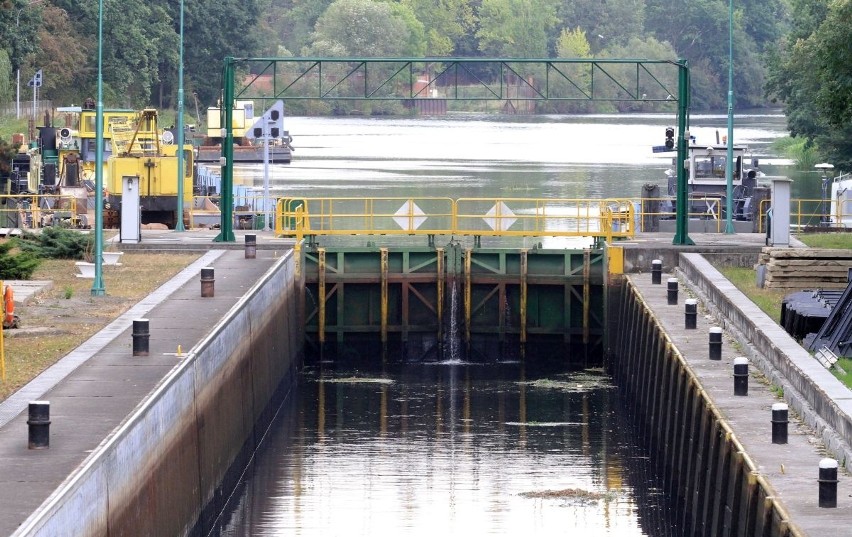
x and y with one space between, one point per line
469 155
450 449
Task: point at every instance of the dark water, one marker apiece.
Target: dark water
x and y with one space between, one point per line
450 449
463 449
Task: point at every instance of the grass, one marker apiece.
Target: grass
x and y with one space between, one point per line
58 320
835 241
768 300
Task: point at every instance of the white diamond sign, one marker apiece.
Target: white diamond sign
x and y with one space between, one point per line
500 217
409 217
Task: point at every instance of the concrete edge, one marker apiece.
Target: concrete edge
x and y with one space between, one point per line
810 390
90 464
47 379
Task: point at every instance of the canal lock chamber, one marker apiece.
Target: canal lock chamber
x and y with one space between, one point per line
453 303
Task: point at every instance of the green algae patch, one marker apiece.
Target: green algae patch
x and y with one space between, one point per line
580 381
564 494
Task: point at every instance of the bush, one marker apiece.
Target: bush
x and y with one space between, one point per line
16 266
56 243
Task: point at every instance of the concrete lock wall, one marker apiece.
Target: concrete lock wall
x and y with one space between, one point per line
172 457
811 390
714 485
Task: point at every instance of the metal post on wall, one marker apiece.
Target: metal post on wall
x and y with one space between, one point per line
682 212
226 233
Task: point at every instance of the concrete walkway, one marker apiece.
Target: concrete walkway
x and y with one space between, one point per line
94 388
791 469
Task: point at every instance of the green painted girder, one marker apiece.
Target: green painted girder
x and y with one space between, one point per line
542 79
383 79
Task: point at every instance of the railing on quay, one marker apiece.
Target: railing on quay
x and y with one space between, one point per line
521 217
35 211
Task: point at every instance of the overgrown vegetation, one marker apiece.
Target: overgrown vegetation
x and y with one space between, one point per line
56 243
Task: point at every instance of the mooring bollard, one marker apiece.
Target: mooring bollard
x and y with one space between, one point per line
39 422
671 289
690 313
207 282
779 423
715 343
251 246
741 376
656 271
827 483
141 335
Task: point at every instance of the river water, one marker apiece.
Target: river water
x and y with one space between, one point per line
455 448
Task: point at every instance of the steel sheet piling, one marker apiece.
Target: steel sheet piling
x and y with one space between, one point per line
656 271
779 423
39 425
715 352
690 313
827 483
207 282
671 289
741 375
141 335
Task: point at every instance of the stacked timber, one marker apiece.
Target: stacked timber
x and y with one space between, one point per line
805 268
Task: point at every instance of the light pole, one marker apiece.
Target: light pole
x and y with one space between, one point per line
98 284
180 134
729 164
824 167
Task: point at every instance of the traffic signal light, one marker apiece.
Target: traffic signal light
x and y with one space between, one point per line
670 137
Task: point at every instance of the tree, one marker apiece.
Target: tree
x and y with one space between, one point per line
5 77
361 28
516 28
810 73
608 23
63 55
444 21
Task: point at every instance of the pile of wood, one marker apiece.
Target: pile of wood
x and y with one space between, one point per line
805 268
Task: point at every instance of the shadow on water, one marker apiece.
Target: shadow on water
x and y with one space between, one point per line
449 447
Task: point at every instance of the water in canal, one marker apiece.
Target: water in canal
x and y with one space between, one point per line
456 448
450 448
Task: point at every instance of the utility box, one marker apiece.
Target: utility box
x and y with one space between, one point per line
779 234
131 210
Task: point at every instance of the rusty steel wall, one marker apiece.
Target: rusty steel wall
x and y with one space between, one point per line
169 469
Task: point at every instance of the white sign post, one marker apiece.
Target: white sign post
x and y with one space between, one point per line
270 125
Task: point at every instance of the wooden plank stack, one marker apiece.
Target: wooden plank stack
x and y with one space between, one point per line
795 269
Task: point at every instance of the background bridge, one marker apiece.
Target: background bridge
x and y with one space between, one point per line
459 79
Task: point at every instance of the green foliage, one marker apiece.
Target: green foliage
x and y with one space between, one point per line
839 241
56 243
516 28
5 77
800 150
16 266
362 28
811 73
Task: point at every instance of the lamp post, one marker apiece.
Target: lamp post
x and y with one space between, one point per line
98 284
824 167
729 164
180 133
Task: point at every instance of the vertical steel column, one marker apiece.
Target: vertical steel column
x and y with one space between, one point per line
587 268
321 294
682 212
439 260
384 298
468 253
226 223
523 306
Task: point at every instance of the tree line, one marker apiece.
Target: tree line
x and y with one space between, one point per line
793 53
